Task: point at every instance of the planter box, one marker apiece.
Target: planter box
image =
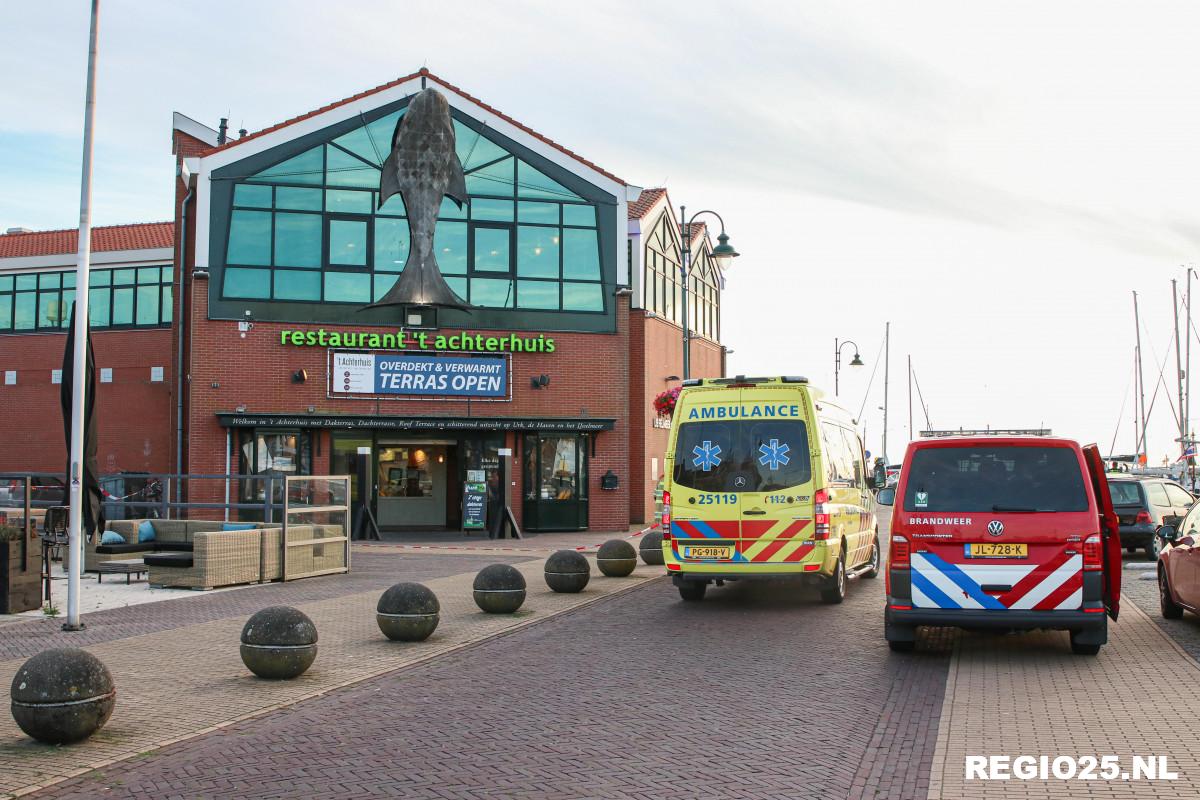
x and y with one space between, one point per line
20 583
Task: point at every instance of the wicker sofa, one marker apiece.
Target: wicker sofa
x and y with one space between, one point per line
227 558
170 535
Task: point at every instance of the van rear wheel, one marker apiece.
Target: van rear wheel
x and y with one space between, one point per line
1082 649
834 589
692 591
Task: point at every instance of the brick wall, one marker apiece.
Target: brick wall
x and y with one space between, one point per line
132 413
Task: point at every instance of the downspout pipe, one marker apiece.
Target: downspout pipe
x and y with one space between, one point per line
181 322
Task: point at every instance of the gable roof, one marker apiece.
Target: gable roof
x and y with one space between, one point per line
421 73
140 236
645 201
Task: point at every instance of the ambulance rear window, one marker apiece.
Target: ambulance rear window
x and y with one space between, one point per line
995 479
742 455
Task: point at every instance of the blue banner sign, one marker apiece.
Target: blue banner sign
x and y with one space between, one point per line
422 375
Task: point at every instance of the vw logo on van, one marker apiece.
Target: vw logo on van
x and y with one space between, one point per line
995 527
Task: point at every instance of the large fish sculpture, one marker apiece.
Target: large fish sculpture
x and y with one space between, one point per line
422 168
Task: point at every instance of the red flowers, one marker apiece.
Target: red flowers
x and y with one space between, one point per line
664 404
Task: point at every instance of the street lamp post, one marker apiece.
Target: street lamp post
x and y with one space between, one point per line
837 360
723 254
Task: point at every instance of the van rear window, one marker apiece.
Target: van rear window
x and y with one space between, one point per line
742 455
995 479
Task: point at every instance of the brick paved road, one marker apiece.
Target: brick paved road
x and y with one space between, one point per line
758 692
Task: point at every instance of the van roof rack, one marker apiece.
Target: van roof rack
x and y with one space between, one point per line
742 380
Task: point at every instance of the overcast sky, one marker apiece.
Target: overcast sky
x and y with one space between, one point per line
993 178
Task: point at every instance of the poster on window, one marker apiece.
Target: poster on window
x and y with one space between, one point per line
418 375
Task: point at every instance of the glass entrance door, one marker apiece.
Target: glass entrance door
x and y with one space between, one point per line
556 482
411 480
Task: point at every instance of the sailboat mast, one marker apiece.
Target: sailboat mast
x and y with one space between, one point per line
910 427
887 353
1178 367
1137 324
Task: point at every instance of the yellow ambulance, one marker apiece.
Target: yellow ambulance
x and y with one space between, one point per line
765 479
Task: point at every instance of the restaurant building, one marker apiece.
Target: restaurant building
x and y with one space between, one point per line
253 349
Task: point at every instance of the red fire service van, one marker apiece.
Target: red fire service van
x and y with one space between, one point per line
1002 533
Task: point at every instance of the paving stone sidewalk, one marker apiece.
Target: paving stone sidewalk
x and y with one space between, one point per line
185 681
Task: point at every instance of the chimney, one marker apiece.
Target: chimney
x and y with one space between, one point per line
19 230
241 133
223 131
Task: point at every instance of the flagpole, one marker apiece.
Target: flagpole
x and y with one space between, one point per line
79 364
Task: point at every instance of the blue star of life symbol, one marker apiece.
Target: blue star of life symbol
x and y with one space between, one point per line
708 456
774 454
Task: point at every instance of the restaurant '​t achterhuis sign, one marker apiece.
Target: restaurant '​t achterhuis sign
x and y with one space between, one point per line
419 340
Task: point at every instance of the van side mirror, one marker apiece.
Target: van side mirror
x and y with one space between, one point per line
885 497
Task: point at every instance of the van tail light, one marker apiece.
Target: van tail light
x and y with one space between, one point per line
1143 517
820 515
1092 553
666 516
899 555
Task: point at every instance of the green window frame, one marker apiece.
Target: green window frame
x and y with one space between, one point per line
34 302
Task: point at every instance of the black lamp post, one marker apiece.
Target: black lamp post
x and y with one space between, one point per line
723 254
837 360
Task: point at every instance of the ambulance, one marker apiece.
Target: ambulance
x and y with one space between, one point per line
1003 533
765 478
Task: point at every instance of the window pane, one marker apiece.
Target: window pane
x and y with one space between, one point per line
459 285
450 247
391 244
27 281
6 283
249 239
298 199
544 213
98 307
532 183
450 210
168 274
394 206
497 210
473 148
68 302
579 215
297 285
100 277
167 301
243 283
68 280
347 287
48 280
298 240
122 310
247 194
581 255
50 310
304 168
147 275
348 242
537 252
494 179
343 169
147 305
537 294
491 293
491 250
348 201
5 311
582 297
25 311
127 277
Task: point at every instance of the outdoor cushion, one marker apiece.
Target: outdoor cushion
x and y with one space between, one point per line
172 547
124 547
168 560
146 531
239 526
112 537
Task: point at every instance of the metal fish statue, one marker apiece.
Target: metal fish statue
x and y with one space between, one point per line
423 167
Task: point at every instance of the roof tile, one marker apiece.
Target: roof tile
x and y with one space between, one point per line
140 236
645 201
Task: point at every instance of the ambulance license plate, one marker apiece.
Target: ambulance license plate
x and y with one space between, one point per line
708 553
997 550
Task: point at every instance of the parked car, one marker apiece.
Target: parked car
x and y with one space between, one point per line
1143 506
1003 533
1178 573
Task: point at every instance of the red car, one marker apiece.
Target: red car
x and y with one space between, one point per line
1002 533
1179 566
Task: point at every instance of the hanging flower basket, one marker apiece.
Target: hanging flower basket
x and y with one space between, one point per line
664 404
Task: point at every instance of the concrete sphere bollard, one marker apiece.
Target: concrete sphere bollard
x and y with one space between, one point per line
499 589
650 548
567 571
62 696
407 612
279 642
616 558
